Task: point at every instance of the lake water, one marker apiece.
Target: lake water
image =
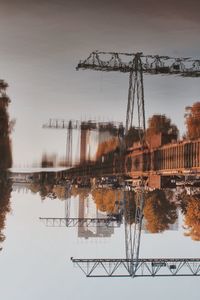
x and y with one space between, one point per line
35 259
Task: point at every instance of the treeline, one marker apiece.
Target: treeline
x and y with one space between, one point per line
157 124
160 210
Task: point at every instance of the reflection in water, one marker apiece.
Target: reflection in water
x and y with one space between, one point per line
114 196
5 192
159 211
105 199
5 158
192 217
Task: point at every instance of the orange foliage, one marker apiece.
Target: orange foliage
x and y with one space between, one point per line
130 207
192 218
160 124
105 199
83 193
193 121
60 191
159 212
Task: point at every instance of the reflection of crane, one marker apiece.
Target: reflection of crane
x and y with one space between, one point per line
153 267
82 222
137 64
113 220
85 127
132 265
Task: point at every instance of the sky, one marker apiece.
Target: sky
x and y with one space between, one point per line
42 42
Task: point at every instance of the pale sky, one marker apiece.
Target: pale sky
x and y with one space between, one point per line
42 42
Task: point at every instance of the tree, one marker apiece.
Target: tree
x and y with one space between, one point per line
47 161
132 136
192 217
5 128
159 211
161 124
107 146
105 199
5 193
192 117
130 207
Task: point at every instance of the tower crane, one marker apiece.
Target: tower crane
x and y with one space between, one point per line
136 64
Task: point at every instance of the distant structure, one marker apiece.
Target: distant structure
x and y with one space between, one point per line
88 144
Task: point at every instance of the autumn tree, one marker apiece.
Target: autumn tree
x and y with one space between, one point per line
130 206
5 158
132 136
83 193
105 199
161 124
5 194
60 191
192 119
107 146
5 128
47 161
159 211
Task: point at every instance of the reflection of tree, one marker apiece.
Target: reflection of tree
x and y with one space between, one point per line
45 190
5 191
130 206
83 193
183 199
192 217
105 199
60 191
159 212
